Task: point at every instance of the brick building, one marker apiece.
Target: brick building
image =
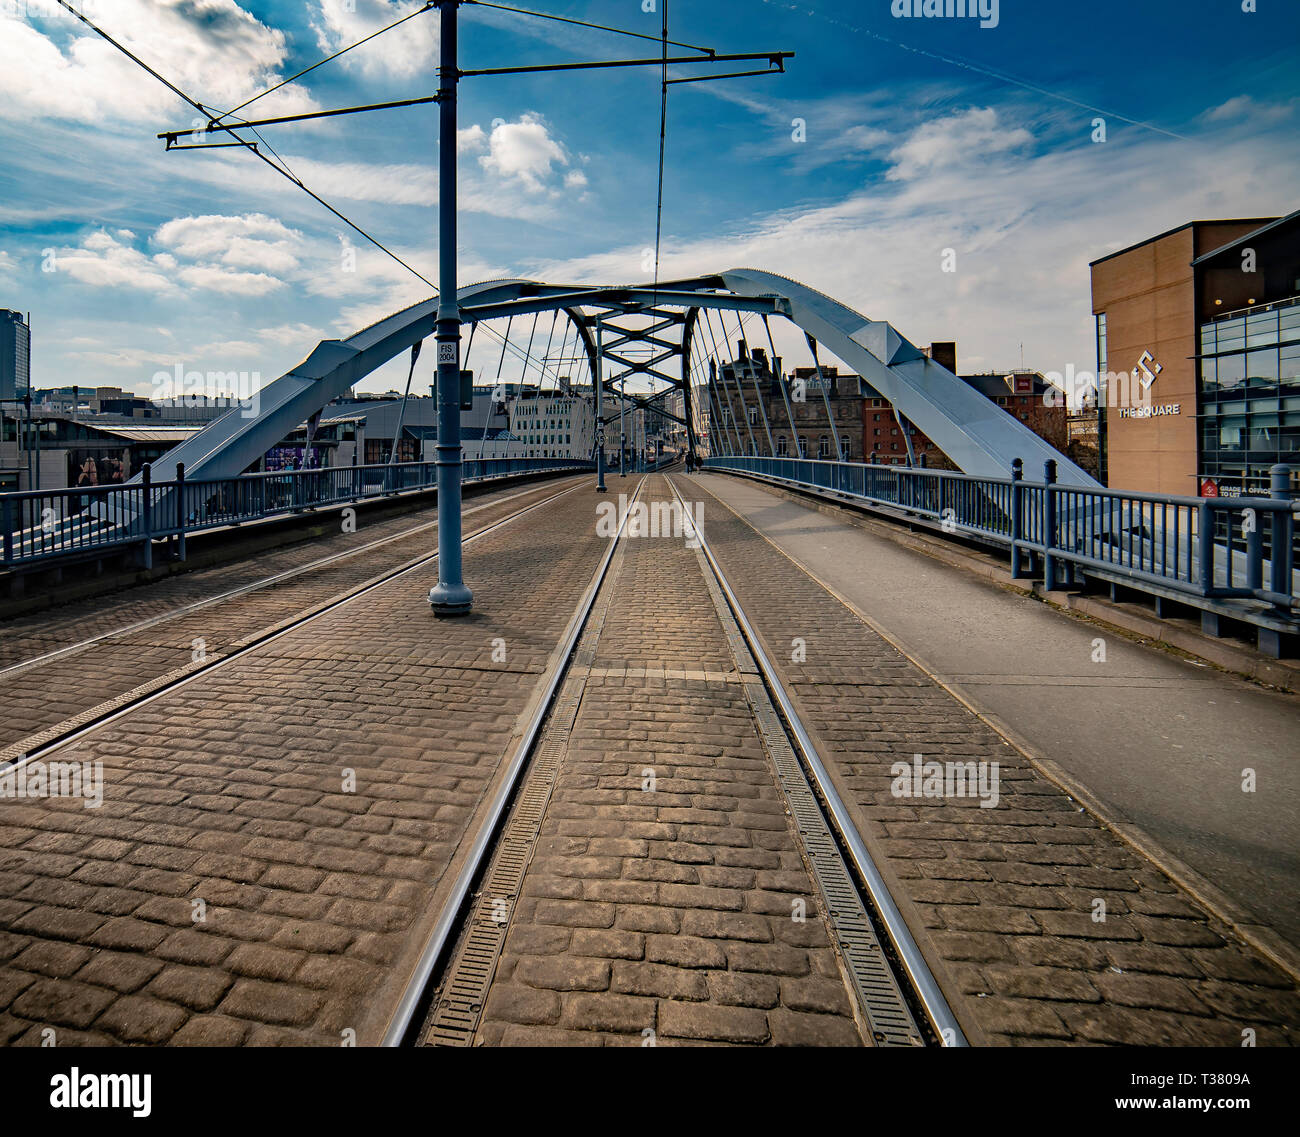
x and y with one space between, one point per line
868 427
791 410
1023 394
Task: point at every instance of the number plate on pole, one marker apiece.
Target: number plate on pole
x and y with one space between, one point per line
447 353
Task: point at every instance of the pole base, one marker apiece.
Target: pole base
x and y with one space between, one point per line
450 599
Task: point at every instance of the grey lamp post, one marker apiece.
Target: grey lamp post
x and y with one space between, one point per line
450 596
600 412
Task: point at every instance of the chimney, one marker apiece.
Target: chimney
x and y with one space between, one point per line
742 350
944 353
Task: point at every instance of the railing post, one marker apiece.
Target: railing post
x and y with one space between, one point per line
146 489
180 509
7 520
1017 516
1281 563
1205 543
1049 525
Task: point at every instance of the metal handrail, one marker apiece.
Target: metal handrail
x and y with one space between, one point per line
45 526
1241 548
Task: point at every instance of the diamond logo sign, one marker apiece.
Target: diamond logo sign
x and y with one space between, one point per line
1149 374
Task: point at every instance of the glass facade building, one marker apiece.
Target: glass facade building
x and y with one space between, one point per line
15 355
1250 395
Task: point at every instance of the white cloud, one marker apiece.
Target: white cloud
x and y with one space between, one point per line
214 50
104 262
388 184
524 150
411 49
1244 107
206 247
1024 226
211 278
959 139
248 241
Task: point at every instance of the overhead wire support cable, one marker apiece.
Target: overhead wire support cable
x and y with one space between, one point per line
778 69
428 7
774 57
215 124
585 24
215 118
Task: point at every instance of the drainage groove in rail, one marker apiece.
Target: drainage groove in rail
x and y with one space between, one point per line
408 1016
458 1005
824 832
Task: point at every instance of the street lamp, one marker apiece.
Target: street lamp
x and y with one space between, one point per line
450 596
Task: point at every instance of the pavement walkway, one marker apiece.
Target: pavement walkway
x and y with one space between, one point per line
1163 742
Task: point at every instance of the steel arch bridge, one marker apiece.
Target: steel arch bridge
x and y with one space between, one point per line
645 334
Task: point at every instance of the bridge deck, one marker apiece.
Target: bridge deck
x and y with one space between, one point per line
665 908
1161 740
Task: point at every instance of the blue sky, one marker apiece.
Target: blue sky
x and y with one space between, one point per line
921 135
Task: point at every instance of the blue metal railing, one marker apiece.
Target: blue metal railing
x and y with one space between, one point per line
1214 548
47 525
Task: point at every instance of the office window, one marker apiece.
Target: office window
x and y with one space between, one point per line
1101 342
1261 368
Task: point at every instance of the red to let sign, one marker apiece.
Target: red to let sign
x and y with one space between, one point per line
1209 487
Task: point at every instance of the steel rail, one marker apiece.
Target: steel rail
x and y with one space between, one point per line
259 641
403 1022
244 589
924 985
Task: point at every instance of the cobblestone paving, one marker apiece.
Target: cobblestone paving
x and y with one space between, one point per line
43 696
1001 900
231 791
666 910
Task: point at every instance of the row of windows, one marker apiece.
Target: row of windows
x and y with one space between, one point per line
1258 329
1269 437
1263 367
823 447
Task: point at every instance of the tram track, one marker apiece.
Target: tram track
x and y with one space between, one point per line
271 581
899 1001
77 726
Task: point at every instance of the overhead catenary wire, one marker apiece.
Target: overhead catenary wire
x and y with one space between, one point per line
281 166
707 51
428 6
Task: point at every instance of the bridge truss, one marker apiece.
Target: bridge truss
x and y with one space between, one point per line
641 343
